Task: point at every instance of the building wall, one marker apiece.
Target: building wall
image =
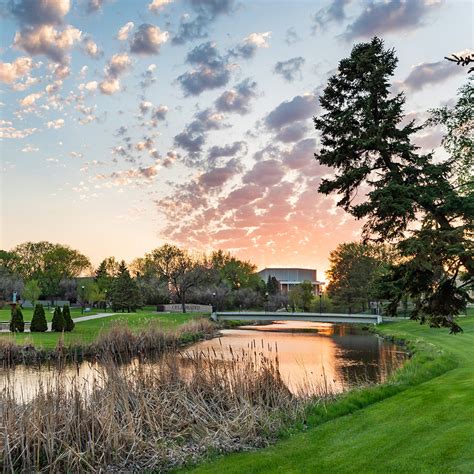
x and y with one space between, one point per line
289 277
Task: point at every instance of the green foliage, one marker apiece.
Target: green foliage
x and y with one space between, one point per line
125 294
178 269
365 141
38 321
32 291
273 285
68 322
48 264
234 272
301 296
459 139
57 324
354 271
16 322
93 293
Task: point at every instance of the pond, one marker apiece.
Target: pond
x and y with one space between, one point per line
310 356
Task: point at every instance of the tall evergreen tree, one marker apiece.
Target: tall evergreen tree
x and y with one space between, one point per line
16 322
38 321
366 142
125 294
68 322
58 320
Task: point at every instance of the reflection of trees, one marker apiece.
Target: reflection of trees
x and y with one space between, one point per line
363 359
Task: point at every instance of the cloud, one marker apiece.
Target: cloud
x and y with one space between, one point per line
46 40
40 12
148 77
145 106
92 49
30 99
116 66
220 175
335 12
291 36
160 112
12 72
250 44
290 69
238 99
94 6
29 148
207 11
299 108
211 70
301 154
430 73
226 150
8 131
379 18
123 33
89 86
109 86
265 173
292 132
148 39
193 137
158 5
55 124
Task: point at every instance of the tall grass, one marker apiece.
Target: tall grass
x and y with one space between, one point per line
119 342
147 417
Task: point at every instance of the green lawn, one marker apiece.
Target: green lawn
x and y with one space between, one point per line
87 331
411 426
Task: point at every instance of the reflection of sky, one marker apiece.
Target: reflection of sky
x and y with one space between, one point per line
337 355
62 136
306 360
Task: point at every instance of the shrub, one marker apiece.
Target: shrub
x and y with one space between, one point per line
68 322
58 320
16 322
38 322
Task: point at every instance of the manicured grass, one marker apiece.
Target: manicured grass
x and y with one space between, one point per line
422 422
87 331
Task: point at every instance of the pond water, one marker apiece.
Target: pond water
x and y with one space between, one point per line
310 355
338 356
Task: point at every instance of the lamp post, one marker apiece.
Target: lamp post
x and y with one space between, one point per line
320 302
266 301
105 302
214 306
82 298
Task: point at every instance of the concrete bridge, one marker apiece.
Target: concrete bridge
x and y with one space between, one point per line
314 317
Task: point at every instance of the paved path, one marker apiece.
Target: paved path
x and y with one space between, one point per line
93 316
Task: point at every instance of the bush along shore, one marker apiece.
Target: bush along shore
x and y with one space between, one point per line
119 342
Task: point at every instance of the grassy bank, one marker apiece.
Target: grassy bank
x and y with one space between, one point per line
422 421
86 332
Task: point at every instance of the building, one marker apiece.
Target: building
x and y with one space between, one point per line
290 277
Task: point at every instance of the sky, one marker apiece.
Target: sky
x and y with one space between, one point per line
125 124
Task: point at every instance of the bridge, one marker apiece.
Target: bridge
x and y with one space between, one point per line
313 317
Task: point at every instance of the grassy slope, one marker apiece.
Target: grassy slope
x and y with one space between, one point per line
86 331
423 427
5 313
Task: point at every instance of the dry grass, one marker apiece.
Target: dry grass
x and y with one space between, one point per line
148 417
118 342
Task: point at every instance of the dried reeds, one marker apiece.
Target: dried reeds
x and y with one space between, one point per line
147 417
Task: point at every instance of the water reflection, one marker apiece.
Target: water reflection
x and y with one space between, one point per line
309 354
319 353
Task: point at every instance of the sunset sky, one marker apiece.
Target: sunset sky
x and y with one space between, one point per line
126 124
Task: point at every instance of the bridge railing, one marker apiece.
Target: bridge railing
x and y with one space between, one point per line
283 316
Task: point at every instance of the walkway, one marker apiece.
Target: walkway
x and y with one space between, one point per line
282 316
